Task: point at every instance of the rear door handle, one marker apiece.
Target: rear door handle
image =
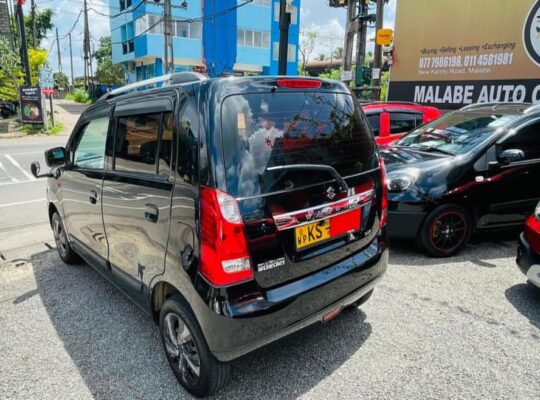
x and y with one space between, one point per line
151 212
93 197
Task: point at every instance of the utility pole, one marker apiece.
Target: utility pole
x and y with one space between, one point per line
71 60
58 50
361 39
22 41
168 53
377 55
350 30
10 14
86 47
284 24
33 16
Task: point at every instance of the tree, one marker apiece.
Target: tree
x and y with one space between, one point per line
321 57
307 44
43 25
338 53
61 81
10 72
107 73
333 74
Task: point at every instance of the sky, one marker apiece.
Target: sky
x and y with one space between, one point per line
315 15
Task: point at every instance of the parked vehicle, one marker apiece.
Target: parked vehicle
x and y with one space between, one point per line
528 255
7 109
390 121
473 169
235 211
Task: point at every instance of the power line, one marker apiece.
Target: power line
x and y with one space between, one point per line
143 32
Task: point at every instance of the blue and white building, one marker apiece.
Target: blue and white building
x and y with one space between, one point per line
214 36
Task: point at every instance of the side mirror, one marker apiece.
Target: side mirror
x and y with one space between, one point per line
35 167
510 156
55 157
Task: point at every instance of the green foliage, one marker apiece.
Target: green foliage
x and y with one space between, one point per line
60 80
107 73
37 59
321 57
339 53
333 74
43 25
35 129
79 96
10 73
385 78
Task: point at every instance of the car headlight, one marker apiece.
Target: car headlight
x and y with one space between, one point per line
402 180
537 211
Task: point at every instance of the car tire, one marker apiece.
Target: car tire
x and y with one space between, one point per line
445 231
65 251
362 299
187 352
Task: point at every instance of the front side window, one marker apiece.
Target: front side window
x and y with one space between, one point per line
90 148
527 140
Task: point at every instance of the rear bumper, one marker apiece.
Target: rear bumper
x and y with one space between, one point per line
291 307
404 225
528 261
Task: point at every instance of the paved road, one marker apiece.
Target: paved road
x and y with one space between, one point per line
465 328
22 197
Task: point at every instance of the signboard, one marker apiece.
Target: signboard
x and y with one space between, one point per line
384 37
48 92
31 106
346 76
450 55
46 79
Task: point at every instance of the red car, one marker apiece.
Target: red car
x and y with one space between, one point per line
390 121
528 257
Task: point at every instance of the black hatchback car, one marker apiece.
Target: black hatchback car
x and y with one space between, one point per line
473 169
235 211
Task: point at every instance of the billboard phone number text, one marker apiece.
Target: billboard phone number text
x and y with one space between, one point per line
483 60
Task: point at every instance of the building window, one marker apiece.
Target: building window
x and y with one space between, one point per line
246 37
141 25
275 51
294 13
155 25
291 53
125 4
188 30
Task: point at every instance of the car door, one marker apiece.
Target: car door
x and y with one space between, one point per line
137 193
514 189
81 186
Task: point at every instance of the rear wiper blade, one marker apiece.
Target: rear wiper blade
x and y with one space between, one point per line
313 167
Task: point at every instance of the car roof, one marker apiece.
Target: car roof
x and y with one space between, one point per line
379 106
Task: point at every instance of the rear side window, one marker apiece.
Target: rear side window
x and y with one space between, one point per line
264 130
526 139
375 122
90 149
401 122
138 146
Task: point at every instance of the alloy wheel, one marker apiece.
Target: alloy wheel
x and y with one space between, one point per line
181 349
448 231
60 237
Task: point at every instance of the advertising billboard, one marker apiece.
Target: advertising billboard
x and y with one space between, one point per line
452 53
31 105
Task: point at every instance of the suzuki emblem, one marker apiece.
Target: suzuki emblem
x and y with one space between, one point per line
330 193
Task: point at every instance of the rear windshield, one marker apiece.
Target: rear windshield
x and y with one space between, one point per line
264 130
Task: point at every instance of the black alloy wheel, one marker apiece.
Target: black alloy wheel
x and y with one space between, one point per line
446 230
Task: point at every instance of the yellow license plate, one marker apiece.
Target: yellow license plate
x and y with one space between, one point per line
310 234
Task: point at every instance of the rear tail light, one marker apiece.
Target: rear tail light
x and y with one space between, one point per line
225 258
384 200
299 83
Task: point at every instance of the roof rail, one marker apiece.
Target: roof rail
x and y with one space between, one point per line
492 104
534 107
169 79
